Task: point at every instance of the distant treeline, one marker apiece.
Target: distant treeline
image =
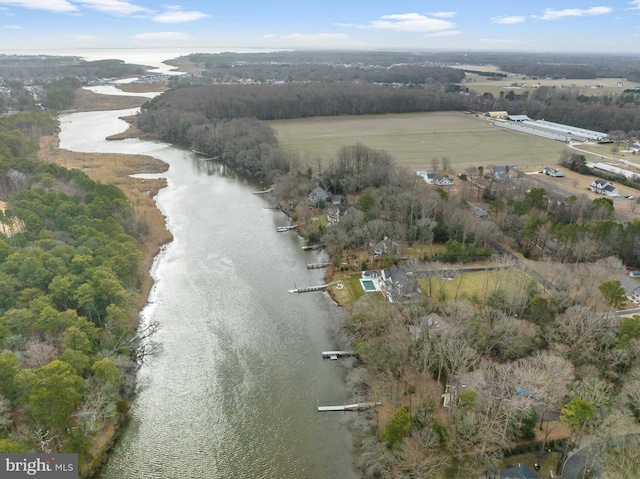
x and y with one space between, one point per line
407 70
553 65
187 115
41 68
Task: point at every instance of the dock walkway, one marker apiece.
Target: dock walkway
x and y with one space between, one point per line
361 406
336 354
308 289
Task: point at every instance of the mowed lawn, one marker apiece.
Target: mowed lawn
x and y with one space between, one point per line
415 139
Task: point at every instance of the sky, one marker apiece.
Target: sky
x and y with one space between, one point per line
602 26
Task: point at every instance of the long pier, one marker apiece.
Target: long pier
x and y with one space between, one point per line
336 354
361 406
322 264
308 289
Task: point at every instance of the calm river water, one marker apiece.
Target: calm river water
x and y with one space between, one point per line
233 390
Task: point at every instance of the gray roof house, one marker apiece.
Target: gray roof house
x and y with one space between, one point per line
552 172
604 187
631 287
387 246
442 180
520 472
317 195
435 178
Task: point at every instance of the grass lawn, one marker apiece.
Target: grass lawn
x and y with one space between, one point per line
414 139
351 289
473 285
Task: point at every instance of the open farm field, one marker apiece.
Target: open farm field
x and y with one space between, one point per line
415 139
589 87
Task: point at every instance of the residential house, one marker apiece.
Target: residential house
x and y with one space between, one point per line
386 246
399 285
520 472
478 211
434 324
318 195
631 287
427 177
604 187
435 178
337 211
552 172
500 172
442 180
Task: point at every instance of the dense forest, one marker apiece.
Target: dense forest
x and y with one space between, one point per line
69 276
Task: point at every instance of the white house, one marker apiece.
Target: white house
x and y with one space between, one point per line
604 187
443 180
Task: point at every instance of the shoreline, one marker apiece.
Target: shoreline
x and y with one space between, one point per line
116 170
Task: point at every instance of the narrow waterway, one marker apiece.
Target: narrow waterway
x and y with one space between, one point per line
233 389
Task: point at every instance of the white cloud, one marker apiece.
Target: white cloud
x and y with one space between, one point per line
505 20
162 36
56 6
114 7
175 14
551 14
12 27
635 5
444 14
410 22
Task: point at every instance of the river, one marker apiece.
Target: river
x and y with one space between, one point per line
233 388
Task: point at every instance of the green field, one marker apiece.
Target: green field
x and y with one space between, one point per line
415 139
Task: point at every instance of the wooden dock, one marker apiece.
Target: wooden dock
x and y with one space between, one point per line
313 246
322 264
336 354
282 229
361 406
308 289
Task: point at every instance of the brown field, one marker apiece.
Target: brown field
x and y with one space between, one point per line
415 139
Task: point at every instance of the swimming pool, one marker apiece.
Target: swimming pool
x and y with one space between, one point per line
368 285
